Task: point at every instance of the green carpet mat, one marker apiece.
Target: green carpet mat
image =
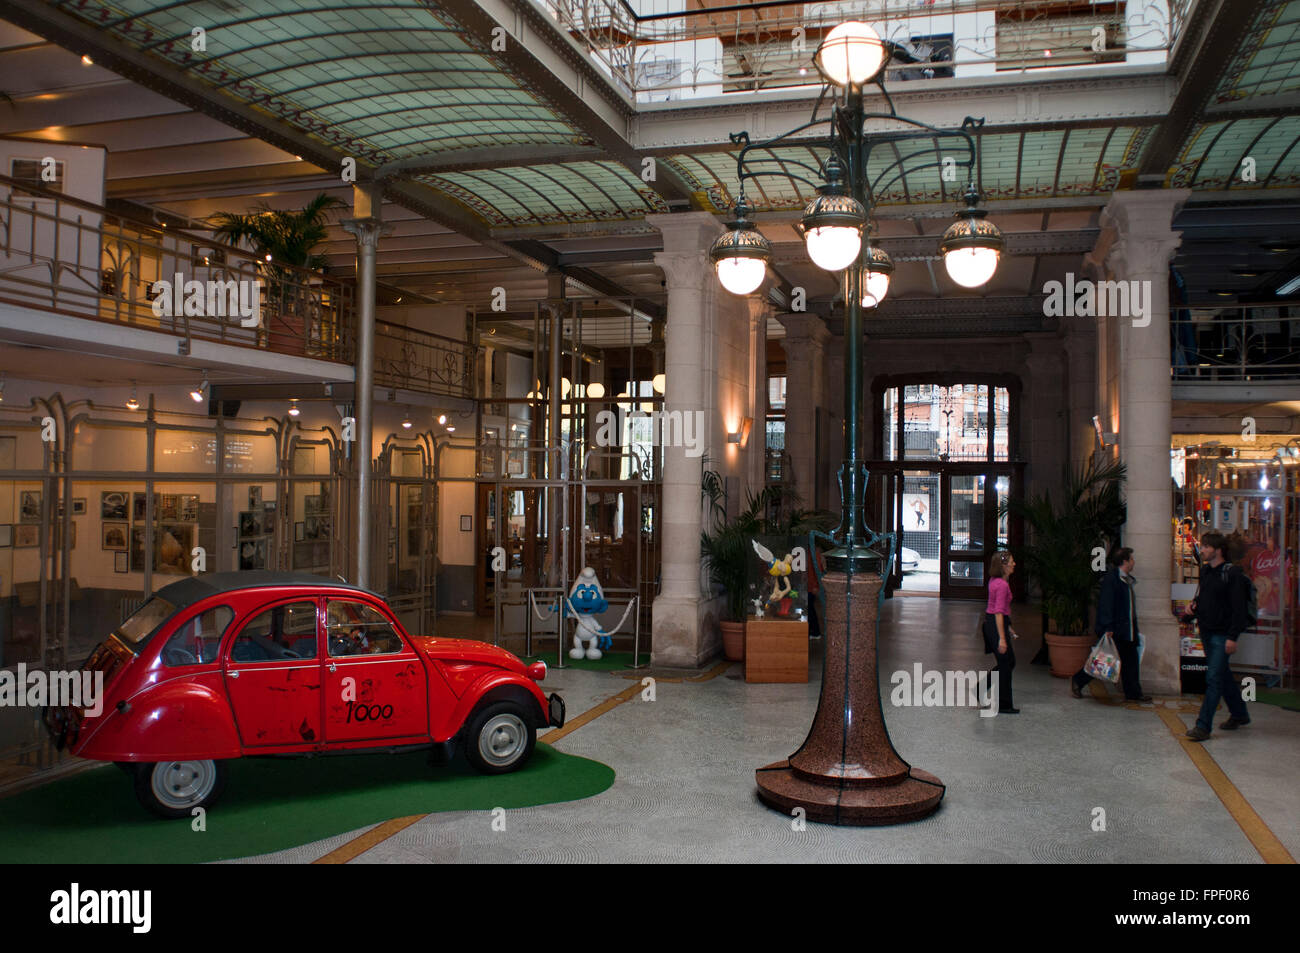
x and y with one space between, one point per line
609 662
1282 699
273 804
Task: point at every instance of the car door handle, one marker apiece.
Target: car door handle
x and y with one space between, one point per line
333 667
234 674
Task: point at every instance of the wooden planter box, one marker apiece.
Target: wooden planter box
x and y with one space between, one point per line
776 650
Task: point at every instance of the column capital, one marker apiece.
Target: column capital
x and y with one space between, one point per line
760 308
686 232
367 230
1142 240
804 327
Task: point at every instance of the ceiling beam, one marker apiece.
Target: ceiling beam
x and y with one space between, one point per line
487 157
1221 35
546 63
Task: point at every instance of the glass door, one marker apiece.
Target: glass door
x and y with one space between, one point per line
969 502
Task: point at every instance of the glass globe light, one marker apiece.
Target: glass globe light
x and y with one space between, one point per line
658 382
852 54
595 390
832 223
972 246
877 270
740 254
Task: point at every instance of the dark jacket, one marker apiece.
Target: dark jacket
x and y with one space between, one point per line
1221 601
1117 608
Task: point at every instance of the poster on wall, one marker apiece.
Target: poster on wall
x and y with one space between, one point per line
916 513
112 506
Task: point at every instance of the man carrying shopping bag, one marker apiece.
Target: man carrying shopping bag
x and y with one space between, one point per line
1117 618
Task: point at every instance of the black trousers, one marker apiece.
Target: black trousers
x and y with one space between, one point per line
1005 661
1129 677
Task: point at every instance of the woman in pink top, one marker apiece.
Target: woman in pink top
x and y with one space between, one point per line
998 632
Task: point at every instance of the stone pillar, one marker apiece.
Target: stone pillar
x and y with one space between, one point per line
681 638
1081 402
1144 245
804 344
368 228
760 309
1043 409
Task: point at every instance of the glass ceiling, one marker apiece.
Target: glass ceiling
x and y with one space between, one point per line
394 79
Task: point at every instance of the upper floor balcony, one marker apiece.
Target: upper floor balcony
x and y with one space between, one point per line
657 51
72 272
1237 352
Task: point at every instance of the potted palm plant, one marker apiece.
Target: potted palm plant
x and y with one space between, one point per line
282 238
1061 552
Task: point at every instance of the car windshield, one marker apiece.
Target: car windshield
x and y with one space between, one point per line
136 630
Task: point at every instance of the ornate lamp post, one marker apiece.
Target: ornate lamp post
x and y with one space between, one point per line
847 771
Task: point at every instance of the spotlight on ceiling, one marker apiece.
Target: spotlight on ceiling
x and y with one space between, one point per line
198 393
133 402
406 422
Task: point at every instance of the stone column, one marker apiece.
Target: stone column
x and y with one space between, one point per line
1043 409
804 344
1143 247
760 309
680 637
1081 404
368 228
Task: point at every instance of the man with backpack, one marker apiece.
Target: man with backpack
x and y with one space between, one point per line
1221 608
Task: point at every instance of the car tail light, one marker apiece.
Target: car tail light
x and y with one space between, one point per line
537 671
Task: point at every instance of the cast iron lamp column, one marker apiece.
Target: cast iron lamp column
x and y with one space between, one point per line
847 771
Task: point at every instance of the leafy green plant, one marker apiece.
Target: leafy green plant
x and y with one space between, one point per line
289 237
725 546
1059 554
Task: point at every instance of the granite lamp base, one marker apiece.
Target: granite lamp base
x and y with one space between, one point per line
918 795
847 771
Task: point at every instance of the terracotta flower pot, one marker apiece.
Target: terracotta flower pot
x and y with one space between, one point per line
1067 653
733 641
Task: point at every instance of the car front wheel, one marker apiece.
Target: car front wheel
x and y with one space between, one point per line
500 738
173 789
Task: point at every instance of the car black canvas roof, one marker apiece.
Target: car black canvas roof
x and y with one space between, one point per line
190 590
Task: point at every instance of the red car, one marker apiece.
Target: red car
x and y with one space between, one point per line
235 665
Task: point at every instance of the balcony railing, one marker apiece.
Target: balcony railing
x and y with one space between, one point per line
424 362
654 50
1247 343
63 255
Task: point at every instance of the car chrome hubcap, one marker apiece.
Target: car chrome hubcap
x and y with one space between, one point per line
503 739
182 784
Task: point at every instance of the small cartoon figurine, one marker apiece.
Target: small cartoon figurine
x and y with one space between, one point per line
585 601
782 594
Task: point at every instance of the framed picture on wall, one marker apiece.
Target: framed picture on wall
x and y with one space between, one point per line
175 543
29 506
112 506
467 524
189 508
167 512
79 507
113 537
6 535
120 562
250 523
26 536
299 532
137 548
254 497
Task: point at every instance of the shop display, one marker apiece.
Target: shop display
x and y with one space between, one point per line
172 721
777 587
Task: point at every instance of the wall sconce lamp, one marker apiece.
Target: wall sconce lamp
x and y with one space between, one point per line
1106 438
741 436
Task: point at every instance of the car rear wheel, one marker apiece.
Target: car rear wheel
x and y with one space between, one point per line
173 789
500 738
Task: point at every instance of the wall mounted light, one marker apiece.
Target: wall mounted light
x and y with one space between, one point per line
442 419
406 422
198 393
133 402
741 436
293 407
1106 438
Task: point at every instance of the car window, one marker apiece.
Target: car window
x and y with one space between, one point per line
282 632
355 628
198 640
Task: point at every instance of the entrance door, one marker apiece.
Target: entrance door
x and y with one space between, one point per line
969 534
